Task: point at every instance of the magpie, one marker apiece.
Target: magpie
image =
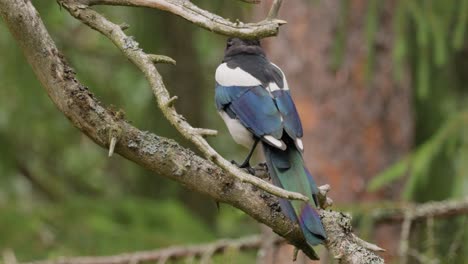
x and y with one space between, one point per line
253 98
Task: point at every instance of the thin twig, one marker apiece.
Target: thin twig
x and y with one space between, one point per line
171 101
430 240
457 241
439 209
422 258
405 236
251 1
367 245
274 10
205 132
161 59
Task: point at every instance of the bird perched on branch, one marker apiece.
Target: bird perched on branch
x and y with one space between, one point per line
253 98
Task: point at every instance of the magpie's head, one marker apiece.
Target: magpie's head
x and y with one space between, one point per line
236 46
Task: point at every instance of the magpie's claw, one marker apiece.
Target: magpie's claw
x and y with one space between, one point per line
250 170
245 166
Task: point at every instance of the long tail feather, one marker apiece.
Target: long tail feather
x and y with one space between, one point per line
287 171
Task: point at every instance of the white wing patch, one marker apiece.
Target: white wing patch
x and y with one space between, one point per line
226 76
285 82
273 87
299 144
275 142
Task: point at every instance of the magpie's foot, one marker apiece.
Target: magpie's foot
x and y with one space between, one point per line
261 170
250 170
245 166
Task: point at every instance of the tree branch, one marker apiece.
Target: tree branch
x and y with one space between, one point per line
274 9
343 244
189 11
251 1
160 155
439 209
170 254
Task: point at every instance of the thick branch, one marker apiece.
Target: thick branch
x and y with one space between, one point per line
160 155
200 17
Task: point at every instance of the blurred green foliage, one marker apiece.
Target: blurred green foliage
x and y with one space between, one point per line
431 37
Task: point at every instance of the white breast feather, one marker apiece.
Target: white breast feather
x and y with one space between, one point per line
238 132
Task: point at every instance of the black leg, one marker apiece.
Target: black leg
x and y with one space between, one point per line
246 163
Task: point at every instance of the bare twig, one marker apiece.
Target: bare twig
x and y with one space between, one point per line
200 17
112 144
114 135
422 258
405 235
251 1
367 245
205 132
439 209
324 200
456 242
430 240
171 101
274 9
161 59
